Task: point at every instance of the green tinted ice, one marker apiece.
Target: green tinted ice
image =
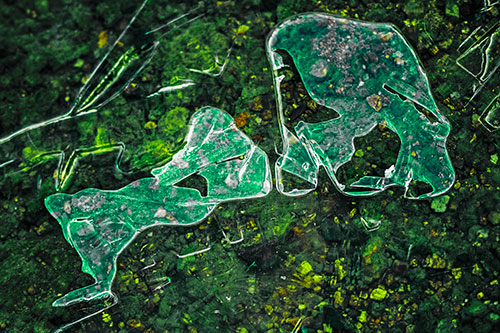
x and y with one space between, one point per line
99 224
369 75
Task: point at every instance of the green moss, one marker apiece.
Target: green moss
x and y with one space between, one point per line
378 294
172 123
476 308
439 204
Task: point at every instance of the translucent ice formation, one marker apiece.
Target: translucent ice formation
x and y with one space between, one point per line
99 224
126 59
369 75
480 58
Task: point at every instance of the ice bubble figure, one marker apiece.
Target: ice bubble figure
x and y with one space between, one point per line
368 74
100 224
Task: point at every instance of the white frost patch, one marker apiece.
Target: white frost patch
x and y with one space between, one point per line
389 172
319 68
178 162
161 212
231 181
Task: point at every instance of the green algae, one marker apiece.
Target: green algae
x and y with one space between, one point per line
369 74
